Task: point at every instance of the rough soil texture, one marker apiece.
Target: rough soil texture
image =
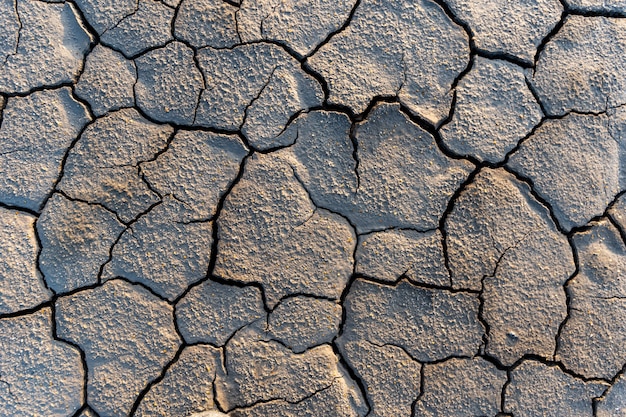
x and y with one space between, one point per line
349 208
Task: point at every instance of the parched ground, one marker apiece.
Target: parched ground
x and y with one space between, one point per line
337 208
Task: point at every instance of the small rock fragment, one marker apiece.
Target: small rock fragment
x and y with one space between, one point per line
391 378
256 88
128 337
392 254
169 84
301 26
187 386
613 403
461 387
592 339
107 81
76 239
46 47
304 322
270 232
212 312
575 164
413 318
102 166
409 49
207 23
163 251
539 390
21 285
197 168
35 134
402 179
494 110
257 370
147 27
504 242
582 68
514 28
38 375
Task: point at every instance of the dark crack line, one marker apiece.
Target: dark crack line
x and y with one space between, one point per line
202 90
422 285
503 392
89 203
143 51
444 217
596 13
533 91
83 356
174 20
544 42
613 381
156 380
290 121
558 364
568 297
334 33
24 210
353 375
236 18
355 154
421 392
15 151
481 296
261 27
274 400
129 226
47 87
69 150
214 248
258 96
301 294
126 16
402 348
542 201
42 276
228 132
351 372
158 153
18 35
615 223
343 216
504 56
8 385
216 399
228 340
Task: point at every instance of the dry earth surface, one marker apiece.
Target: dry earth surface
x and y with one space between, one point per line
340 208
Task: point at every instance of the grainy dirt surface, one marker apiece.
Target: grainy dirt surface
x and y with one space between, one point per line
287 208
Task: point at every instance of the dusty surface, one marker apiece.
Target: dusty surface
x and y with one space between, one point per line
350 208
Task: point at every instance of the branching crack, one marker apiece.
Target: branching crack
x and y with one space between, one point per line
126 16
343 27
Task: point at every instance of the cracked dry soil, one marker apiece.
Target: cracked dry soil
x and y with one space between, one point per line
340 208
